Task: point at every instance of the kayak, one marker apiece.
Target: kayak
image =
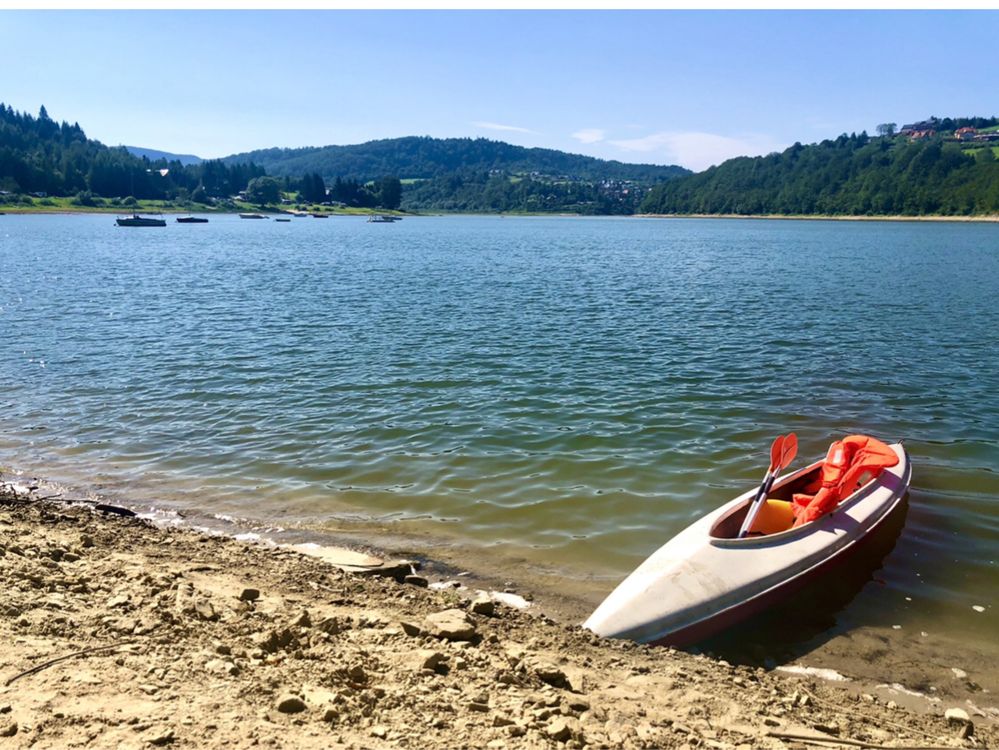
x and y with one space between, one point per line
706 578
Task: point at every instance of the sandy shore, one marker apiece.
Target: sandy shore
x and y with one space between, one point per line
117 633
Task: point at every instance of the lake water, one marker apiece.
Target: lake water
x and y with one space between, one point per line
565 393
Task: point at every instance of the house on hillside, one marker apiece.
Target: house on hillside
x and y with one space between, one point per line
965 134
922 135
986 137
917 127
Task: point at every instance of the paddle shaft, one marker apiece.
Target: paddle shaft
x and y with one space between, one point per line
782 452
761 493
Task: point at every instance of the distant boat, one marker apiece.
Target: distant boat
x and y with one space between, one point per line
381 219
139 221
320 216
282 219
191 220
252 216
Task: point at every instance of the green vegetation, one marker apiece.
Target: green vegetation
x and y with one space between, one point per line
55 167
465 174
853 175
41 157
472 191
918 170
423 157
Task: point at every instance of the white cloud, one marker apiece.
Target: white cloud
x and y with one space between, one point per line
696 150
497 126
589 135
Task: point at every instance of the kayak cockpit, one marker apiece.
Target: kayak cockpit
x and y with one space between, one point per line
775 515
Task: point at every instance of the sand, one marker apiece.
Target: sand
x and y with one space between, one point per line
118 633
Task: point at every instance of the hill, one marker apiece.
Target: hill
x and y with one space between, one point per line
153 155
42 157
466 174
922 170
423 157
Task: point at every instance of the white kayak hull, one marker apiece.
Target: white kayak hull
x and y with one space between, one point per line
703 580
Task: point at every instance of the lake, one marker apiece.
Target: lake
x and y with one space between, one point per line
560 393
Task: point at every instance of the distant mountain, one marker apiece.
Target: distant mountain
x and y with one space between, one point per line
153 155
423 157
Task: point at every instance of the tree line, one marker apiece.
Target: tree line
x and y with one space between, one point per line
422 157
853 175
480 191
38 155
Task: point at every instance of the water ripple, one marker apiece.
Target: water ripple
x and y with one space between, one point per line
580 387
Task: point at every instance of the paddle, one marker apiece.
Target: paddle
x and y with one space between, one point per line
782 452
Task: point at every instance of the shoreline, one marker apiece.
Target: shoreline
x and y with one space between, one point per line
988 218
188 640
62 210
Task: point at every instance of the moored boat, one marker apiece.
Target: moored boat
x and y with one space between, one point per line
191 220
708 578
252 216
280 219
320 216
140 221
382 219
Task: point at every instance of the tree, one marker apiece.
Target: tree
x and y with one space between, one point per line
389 192
886 129
263 190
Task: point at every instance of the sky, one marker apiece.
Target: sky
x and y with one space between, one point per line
662 87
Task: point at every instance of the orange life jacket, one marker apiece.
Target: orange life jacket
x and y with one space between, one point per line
846 462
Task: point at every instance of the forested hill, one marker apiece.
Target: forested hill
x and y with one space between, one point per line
46 158
424 157
911 174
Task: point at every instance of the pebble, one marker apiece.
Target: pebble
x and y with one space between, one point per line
559 730
415 580
429 659
978 608
8 729
957 716
249 595
290 704
205 610
483 605
959 674
160 737
451 625
549 673
222 666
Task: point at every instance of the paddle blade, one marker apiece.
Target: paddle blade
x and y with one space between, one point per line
776 450
788 451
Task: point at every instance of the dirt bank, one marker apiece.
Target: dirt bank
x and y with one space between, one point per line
170 638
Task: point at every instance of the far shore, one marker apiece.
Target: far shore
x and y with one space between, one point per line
63 209
147 209
823 217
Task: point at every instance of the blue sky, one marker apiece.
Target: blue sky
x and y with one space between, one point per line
665 87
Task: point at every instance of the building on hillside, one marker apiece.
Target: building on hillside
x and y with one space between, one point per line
922 135
986 137
965 134
917 127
